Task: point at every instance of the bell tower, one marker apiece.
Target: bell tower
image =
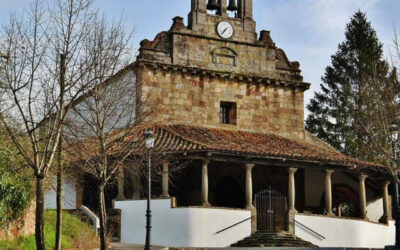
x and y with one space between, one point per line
214 72
205 14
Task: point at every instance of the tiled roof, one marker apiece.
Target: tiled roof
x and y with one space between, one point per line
184 138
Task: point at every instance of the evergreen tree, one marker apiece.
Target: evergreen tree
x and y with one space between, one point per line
333 110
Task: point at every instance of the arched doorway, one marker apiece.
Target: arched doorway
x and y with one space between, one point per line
230 193
272 209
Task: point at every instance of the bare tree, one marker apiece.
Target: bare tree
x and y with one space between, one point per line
51 57
101 121
380 101
27 99
380 115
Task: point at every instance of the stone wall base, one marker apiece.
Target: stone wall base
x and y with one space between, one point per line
22 227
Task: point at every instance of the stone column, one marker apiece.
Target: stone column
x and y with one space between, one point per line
249 186
165 179
222 11
204 184
79 195
363 197
386 205
121 184
328 192
135 182
249 197
292 190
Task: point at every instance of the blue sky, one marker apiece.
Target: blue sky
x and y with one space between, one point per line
308 30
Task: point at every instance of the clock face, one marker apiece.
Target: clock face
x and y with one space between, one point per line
225 29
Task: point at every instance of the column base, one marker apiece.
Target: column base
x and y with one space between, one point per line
331 214
250 207
253 212
293 211
206 204
290 220
164 196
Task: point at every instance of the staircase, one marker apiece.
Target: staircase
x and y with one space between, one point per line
273 239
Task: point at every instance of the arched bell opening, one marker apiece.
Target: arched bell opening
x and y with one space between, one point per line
233 8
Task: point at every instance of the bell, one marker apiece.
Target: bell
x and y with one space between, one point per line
232 5
212 5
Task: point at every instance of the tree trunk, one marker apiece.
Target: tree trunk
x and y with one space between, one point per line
60 159
103 218
39 219
59 194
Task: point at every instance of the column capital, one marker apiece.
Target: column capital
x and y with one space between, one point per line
362 177
249 166
386 183
206 161
292 170
164 162
329 172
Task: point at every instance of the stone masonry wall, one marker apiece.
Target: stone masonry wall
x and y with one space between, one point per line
22 227
240 58
183 98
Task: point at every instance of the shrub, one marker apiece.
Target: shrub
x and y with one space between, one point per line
15 187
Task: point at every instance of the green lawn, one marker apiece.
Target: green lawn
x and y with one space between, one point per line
75 234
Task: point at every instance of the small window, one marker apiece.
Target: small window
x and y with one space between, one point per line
228 113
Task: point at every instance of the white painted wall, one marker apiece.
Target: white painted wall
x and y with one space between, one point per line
69 196
375 209
182 227
344 232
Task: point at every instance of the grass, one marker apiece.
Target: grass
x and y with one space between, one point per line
75 235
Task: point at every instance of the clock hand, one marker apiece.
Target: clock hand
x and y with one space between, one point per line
224 30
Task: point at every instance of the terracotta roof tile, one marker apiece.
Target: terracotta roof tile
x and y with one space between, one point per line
184 138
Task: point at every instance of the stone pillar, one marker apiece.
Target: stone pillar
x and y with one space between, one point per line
199 5
292 199
249 197
204 184
79 195
363 197
165 179
328 192
386 205
222 8
245 9
198 15
292 190
249 186
121 184
135 182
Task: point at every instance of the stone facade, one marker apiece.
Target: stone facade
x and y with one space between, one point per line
195 100
186 72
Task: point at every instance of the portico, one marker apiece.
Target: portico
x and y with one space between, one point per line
232 180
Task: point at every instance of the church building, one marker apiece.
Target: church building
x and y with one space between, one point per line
226 104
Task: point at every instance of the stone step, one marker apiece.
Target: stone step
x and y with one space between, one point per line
272 239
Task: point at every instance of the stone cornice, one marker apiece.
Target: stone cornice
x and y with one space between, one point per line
224 75
196 35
